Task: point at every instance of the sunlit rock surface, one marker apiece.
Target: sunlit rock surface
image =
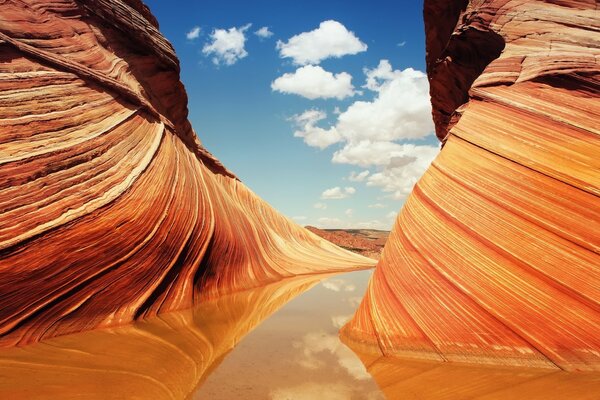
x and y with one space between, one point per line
494 258
419 379
110 208
164 357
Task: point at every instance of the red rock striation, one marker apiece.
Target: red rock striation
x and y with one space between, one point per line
164 357
495 257
110 208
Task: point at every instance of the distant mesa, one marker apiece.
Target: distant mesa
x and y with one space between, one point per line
495 256
367 242
110 207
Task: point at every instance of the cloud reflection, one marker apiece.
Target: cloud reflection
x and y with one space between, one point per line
316 346
338 285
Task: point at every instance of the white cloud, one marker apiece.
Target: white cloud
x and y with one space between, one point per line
375 133
299 218
349 212
338 284
358 177
330 39
374 224
314 344
227 45
264 32
320 206
330 223
194 33
336 193
403 170
313 135
340 320
385 224
401 109
402 43
377 205
313 82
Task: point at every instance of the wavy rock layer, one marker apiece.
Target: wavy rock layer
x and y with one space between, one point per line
164 357
402 379
494 258
110 208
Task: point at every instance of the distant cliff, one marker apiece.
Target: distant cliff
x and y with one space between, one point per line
110 207
495 257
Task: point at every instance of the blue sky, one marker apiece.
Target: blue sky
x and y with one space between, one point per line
295 138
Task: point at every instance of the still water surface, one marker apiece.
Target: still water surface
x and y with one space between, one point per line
278 342
296 353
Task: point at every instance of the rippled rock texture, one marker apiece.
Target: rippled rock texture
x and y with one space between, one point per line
494 258
110 208
164 357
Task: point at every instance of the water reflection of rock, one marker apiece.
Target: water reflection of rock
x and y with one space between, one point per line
165 357
422 380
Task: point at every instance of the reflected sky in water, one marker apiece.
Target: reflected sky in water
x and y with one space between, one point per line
296 353
278 341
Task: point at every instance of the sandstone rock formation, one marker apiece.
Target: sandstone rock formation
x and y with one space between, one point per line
164 357
408 379
494 258
110 207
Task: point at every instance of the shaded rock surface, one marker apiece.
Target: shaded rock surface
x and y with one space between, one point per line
110 207
495 257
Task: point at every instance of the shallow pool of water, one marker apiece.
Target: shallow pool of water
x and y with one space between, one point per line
279 342
296 353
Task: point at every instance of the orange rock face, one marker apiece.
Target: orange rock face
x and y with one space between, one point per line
164 357
494 258
110 208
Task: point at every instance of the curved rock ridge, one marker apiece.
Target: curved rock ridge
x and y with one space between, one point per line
164 357
110 208
495 256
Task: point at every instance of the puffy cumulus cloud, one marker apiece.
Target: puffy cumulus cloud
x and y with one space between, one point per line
377 205
194 33
313 135
336 193
263 33
227 45
320 206
330 39
313 82
403 170
349 212
299 218
358 177
377 133
400 110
